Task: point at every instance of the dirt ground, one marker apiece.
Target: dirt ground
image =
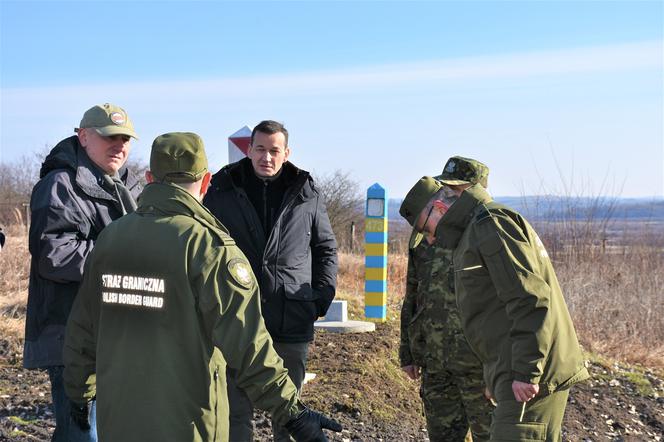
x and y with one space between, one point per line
359 383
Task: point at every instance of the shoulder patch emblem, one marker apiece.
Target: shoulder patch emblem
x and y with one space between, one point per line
240 271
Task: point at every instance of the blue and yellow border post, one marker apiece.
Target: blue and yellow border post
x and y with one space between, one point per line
375 260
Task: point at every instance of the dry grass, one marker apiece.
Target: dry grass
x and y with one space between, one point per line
615 299
617 303
15 265
350 282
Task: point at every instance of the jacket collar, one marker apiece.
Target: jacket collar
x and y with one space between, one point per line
233 176
454 222
170 199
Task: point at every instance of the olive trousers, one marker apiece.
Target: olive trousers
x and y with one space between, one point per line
540 420
241 409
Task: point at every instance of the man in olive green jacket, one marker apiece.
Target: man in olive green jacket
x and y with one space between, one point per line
512 308
433 345
167 302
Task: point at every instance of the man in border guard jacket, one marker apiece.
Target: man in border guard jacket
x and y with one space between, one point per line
167 302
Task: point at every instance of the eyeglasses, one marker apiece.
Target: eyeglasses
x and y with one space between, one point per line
424 224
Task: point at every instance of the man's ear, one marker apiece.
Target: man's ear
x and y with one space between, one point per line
149 177
205 185
286 153
83 137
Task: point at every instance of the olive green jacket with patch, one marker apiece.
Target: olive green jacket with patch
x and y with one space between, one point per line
512 308
167 301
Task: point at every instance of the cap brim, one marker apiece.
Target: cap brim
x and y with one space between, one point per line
454 182
109 131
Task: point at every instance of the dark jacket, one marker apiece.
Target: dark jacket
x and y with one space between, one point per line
69 207
512 308
159 325
296 262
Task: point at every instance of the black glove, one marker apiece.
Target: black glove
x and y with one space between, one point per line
308 426
79 415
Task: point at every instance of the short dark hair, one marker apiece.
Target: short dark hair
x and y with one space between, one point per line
269 127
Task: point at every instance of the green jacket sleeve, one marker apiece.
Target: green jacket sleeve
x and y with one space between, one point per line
408 309
230 307
515 262
80 347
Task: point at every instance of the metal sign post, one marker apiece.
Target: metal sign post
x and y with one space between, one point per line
375 261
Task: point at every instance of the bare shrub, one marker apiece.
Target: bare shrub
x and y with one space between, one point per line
16 181
343 201
138 167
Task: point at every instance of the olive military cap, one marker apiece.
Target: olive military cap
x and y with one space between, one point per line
107 120
460 170
418 197
178 157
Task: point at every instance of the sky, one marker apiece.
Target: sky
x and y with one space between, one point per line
559 97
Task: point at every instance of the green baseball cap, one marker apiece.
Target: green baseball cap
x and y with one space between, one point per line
460 170
107 120
178 157
417 198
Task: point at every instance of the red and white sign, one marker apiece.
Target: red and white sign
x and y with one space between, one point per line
238 144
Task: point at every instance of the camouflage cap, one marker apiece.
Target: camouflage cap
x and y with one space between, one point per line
178 157
417 198
460 170
107 120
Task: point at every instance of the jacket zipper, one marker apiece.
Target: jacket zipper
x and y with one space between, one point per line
266 223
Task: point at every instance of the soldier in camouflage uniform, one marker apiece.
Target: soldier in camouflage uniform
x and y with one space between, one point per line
432 341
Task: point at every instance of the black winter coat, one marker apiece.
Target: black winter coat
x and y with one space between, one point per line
69 208
295 263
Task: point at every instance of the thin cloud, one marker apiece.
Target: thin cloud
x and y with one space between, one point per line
452 72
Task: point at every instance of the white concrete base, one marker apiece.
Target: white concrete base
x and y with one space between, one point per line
345 326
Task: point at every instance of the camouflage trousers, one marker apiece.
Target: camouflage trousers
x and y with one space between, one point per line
454 401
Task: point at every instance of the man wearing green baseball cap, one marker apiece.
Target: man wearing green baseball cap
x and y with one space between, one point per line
159 325
433 346
84 185
511 307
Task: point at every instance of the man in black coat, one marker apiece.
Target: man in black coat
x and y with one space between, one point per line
83 186
277 217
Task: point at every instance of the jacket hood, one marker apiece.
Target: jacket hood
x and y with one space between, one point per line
62 156
454 222
233 176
